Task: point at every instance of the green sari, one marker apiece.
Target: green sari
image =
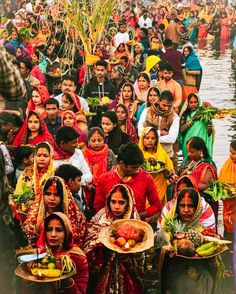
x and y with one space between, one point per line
197 129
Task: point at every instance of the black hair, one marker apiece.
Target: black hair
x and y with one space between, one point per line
145 31
168 43
28 64
96 130
198 143
166 95
65 134
22 152
166 66
161 26
71 101
145 76
7 117
43 145
59 187
68 172
69 78
190 49
158 92
124 193
52 101
101 63
193 195
233 145
188 111
131 154
111 115
125 58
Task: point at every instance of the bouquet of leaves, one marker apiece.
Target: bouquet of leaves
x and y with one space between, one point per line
221 191
24 200
207 112
97 104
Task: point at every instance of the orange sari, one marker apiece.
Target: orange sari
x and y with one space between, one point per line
228 175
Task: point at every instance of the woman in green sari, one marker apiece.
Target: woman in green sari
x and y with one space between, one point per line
192 126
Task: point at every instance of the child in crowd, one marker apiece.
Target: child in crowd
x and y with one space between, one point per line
24 156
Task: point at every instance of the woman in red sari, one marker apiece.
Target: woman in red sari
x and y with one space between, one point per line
125 122
40 95
56 238
33 131
99 158
56 197
202 169
111 272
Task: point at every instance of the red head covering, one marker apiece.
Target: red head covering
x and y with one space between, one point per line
44 94
22 138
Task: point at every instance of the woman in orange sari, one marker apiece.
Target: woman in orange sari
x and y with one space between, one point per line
99 158
228 175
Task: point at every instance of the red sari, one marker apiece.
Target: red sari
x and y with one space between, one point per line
23 137
80 278
111 271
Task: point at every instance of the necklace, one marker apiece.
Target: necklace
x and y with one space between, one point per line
192 165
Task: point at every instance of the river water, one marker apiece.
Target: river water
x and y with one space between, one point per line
219 88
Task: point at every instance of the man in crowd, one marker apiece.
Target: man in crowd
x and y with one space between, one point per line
69 85
53 121
128 172
176 58
117 77
122 36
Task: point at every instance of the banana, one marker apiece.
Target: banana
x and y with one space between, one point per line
49 273
205 246
208 251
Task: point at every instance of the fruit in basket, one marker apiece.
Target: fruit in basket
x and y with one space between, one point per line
48 273
209 250
194 236
152 165
185 247
121 241
129 232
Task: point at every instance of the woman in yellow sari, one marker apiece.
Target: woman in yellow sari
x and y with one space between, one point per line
151 148
228 175
33 177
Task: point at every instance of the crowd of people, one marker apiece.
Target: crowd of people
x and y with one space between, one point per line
78 162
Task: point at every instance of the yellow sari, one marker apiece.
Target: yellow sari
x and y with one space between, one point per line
228 175
160 155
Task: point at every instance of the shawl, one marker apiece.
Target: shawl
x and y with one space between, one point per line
104 218
197 129
118 54
203 215
153 117
160 155
192 62
22 138
198 171
38 212
97 161
228 175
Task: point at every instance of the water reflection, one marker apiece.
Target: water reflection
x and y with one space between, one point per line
218 87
